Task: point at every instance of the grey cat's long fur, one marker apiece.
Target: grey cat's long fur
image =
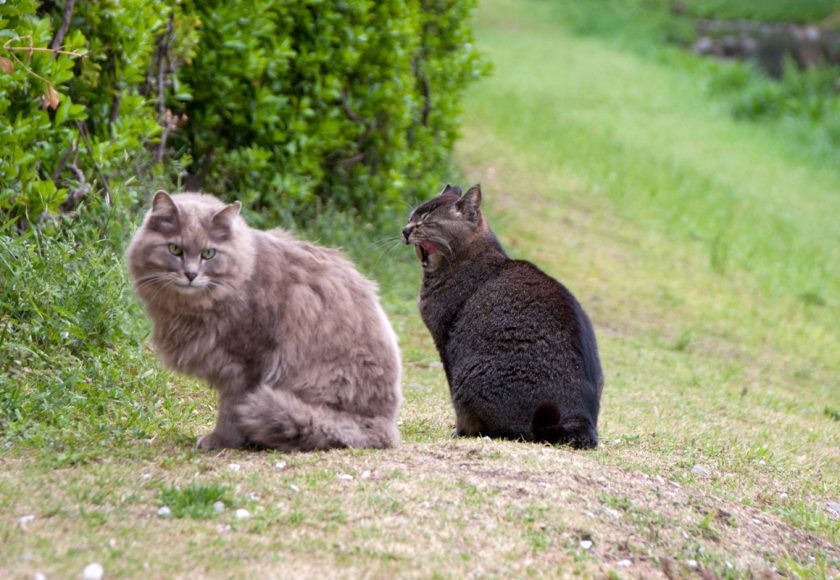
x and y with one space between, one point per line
518 350
290 334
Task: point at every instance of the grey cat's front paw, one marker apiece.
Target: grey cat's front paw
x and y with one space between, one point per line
210 442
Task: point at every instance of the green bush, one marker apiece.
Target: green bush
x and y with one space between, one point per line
288 105
32 139
292 104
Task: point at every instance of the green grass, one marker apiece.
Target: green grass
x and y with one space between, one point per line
196 501
802 11
706 250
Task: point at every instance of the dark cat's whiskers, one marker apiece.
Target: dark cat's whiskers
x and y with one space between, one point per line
395 243
382 241
410 207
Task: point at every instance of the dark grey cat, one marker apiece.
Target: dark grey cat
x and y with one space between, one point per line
518 350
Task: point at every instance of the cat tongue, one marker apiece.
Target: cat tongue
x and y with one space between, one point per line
429 247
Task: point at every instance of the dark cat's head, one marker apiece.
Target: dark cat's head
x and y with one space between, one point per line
441 228
191 251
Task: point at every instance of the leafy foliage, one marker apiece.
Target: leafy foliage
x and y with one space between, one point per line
287 105
32 139
356 105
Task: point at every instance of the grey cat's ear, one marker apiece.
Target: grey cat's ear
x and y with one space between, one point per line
164 214
223 220
162 203
454 189
470 204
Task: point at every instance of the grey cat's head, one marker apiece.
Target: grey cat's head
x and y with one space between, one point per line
191 251
442 228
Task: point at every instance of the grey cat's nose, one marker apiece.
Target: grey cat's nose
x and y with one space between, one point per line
407 232
190 275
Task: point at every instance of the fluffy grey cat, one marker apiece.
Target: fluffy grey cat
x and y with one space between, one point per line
518 350
290 335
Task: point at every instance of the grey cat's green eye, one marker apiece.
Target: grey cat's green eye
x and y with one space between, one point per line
175 249
208 254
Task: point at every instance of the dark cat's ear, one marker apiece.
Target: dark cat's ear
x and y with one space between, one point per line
470 204
164 216
223 220
453 189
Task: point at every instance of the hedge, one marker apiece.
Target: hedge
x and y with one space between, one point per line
288 105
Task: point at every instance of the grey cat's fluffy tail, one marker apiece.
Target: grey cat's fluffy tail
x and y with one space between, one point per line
282 420
550 426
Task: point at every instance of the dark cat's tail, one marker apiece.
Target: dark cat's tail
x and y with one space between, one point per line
550 426
282 420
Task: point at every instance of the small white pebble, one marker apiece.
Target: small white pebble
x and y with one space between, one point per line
692 563
294 488
39 576
242 514
219 507
623 563
280 466
345 477
164 512
699 470
93 571
586 544
26 519
366 474
426 505
728 565
762 462
146 475
783 495
589 515
234 467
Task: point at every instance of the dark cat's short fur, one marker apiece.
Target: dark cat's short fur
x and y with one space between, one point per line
518 350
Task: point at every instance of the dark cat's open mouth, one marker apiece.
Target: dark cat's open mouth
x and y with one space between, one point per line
424 249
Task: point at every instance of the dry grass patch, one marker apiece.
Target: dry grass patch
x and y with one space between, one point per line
457 508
